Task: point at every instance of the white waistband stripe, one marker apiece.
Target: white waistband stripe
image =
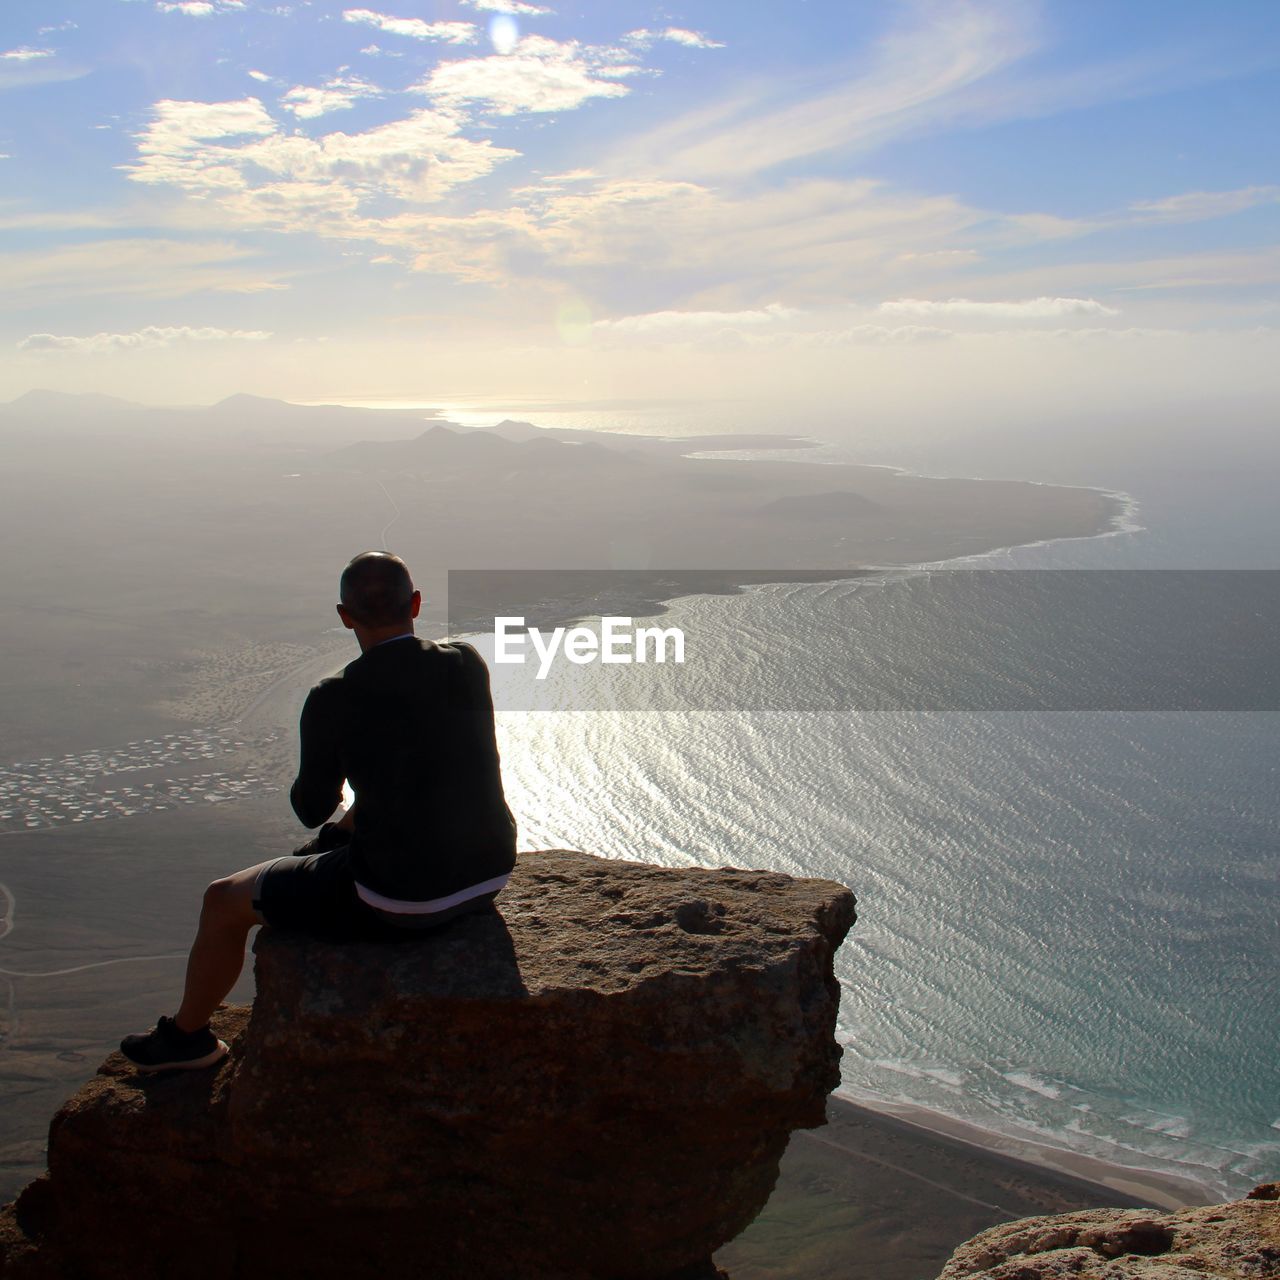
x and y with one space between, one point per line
398 906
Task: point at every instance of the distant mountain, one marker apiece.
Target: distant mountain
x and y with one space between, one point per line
267 426
45 401
510 429
242 402
240 421
441 447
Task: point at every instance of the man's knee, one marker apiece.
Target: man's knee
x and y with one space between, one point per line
226 899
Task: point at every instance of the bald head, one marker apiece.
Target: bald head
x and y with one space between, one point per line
376 590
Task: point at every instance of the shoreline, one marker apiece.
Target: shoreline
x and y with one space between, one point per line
653 596
1148 1186
1124 521
896 1196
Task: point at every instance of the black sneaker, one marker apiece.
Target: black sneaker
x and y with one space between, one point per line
169 1046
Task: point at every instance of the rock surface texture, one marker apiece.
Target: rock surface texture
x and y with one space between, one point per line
598 1082
1236 1241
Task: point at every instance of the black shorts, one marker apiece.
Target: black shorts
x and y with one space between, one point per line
316 895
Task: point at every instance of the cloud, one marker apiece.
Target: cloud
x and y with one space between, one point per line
911 82
25 67
695 247
337 95
804 244
1040 227
66 25
880 334
677 35
236 154
516 8
1027 309
200 8
151 336
1196 206
136 267
773 325
1229 272
940 257
1191 206
414 28
178 146
540 75
692 321
260 76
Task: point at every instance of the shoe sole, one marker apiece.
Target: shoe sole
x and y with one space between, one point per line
187 1064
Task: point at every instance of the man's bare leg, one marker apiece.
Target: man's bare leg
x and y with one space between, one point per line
217 955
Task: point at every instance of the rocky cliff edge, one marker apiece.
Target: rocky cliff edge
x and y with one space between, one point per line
599 1081
1235 1241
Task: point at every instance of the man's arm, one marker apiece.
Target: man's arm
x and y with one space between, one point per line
317 790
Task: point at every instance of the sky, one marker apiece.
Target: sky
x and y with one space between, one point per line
926 206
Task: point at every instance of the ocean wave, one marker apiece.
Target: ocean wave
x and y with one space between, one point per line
945 1076
1033 1084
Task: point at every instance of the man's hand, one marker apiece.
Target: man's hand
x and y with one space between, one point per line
332 835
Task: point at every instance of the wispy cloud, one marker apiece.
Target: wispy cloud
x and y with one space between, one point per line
336 95
133 266
1198 273
709 250
414 28
878 334
1196 206
690 321
1025 309
676 35
771 326
909 82
25 53
151 336
200 8
1185 207
540 75
515 8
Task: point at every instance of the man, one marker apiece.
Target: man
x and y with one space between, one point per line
410 725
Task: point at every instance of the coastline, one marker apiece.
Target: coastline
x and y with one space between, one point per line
1122 522
896 521
1145 1186
891 1196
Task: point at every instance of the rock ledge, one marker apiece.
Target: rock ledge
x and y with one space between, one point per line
599 1082
1235 1241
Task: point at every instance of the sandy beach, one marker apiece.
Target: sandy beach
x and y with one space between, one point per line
875 1196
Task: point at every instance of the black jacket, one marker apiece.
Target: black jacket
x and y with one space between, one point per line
409 724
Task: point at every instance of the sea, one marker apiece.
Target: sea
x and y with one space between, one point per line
1069 919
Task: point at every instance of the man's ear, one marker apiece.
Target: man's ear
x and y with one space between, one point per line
347 620
415 604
